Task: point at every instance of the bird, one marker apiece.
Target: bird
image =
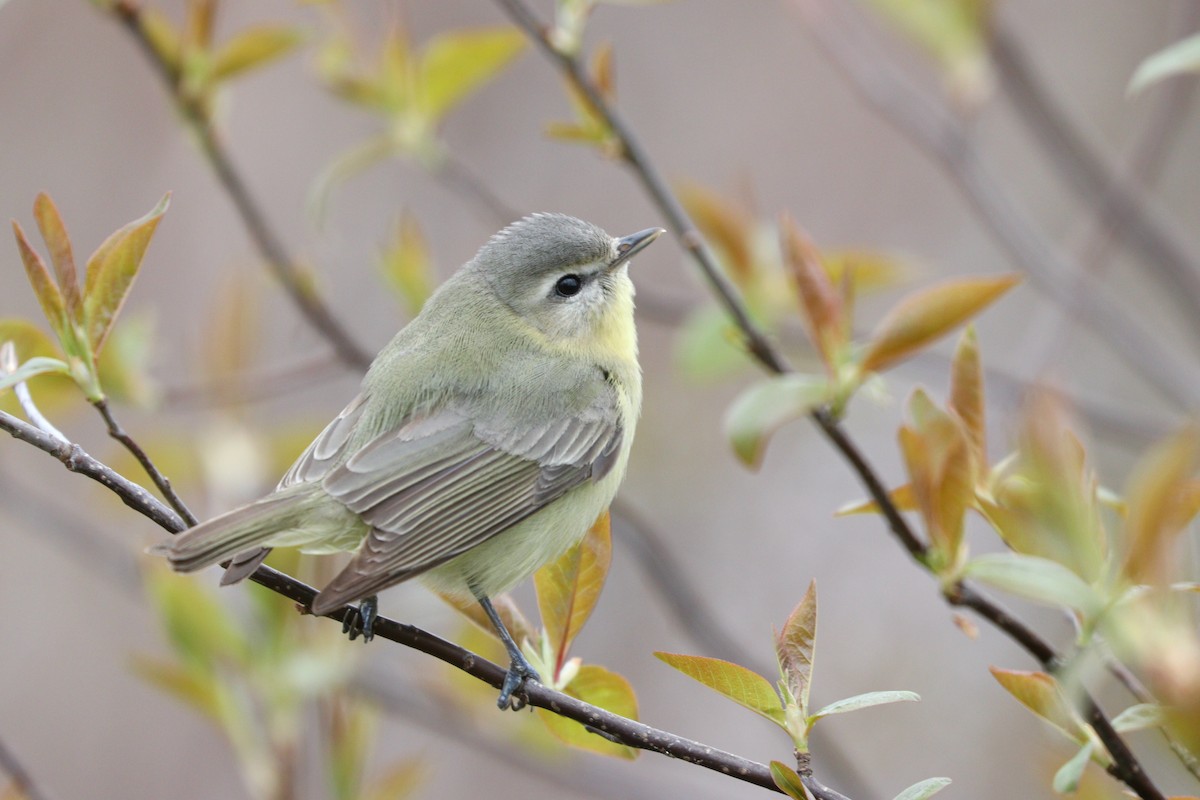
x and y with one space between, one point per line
485 440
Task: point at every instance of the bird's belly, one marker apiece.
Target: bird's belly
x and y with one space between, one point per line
500 563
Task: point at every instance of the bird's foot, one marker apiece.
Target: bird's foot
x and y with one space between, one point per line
512 693
361 620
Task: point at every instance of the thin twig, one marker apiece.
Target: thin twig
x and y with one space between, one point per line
164 486
612 726
22 781
1083 168
937 132
270 245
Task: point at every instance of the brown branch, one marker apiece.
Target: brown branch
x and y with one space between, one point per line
270 246
22 782
1126 768
612 726
884 87
164 486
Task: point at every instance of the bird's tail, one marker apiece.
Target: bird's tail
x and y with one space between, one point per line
238 534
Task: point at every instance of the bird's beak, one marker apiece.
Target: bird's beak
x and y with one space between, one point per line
634 243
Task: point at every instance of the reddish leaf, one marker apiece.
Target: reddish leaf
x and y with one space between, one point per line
966 394
723 224
1159 506
111 270
55 235
43 285
927 315
823 311
796 645
1041 694
568 588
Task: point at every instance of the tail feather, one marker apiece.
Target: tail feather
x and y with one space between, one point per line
241 531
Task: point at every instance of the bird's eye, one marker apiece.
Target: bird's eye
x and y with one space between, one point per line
568 285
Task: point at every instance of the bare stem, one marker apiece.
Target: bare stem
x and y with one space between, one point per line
270 246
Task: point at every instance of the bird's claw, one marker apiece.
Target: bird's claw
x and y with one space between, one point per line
511 692
361 620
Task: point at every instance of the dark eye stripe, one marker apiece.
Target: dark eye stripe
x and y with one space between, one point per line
568 285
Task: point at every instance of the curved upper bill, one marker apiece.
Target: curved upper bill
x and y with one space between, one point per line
634 243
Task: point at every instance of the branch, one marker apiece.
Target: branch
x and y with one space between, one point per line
22 781
1126 768
612 726
883 86
270 246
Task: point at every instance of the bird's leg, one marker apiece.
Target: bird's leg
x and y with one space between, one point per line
362 619
519 668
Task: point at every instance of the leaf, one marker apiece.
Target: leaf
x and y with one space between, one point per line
865 700
111 270
162 36
953 32
966 394
345 166
902 498
193 688
43 285
788 781
514 621
406 264
600 687
709 346
1182 56
54 232
925 789
823 309
399 781
50 390
123 369
1040 693
725 225
1066 780
1138 718
796 645
1158 510
31 368
201 630
925 316
567 589
1035 578
742 686
765 407
254 47
865 270
455 64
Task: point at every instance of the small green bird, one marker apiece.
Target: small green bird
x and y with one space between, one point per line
488 436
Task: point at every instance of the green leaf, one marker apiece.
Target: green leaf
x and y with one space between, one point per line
254 47
1066 780
788 781
1035 578
399 781
111 270
796 645
952 32
568 588
865 700
43 285
924 789
600 687
202 631
1138 718
455 64
709 346
406 264
1182 56
54 232
31 368
929 314
739 684
345 166
765 407
50 390
193 688
1041 694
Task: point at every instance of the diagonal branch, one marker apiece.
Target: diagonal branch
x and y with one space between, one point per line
605 723
884 87
1126 767
270 246
22 782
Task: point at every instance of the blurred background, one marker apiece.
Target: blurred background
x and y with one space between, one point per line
739 104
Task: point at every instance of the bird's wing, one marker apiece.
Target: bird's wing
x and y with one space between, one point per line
441 484
327 448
